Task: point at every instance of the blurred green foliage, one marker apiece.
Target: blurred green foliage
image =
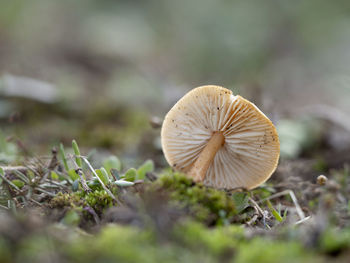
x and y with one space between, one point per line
187 242
8 150
299 135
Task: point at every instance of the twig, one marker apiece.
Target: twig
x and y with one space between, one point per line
86 188
54 161
114 176
36 202
45 192
258 208
13 168
252 220
151 176
62 183
255 204
302 220
48 185
4 207
22 176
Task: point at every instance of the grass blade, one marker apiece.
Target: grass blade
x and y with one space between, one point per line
63 157
274 211
77 153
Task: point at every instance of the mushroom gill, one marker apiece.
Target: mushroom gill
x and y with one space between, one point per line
220 139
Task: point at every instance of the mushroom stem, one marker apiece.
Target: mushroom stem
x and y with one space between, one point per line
201 165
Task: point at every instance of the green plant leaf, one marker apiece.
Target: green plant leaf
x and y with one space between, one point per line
2 173
73 175
123 183
130 175
75 185
102 175
94 184
22 176
112 162
146 167
54 175
18 183
77 153
274 211
63 157
241 201
115 173
106 175
30 174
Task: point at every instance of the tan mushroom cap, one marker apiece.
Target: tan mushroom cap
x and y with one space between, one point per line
251 148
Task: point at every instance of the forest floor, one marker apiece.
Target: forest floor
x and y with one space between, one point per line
95 71
73 206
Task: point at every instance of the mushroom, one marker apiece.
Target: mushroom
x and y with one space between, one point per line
220 139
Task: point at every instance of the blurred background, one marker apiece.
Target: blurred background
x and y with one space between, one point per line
105 72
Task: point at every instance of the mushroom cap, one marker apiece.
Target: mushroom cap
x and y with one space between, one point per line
251 150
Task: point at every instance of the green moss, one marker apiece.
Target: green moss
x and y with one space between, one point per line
263 250
190 242
216 241
18 183
204 204
114 244
67 200
99 200
126 244
35 248
5 254
333 241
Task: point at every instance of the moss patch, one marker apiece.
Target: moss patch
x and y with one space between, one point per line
208 205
